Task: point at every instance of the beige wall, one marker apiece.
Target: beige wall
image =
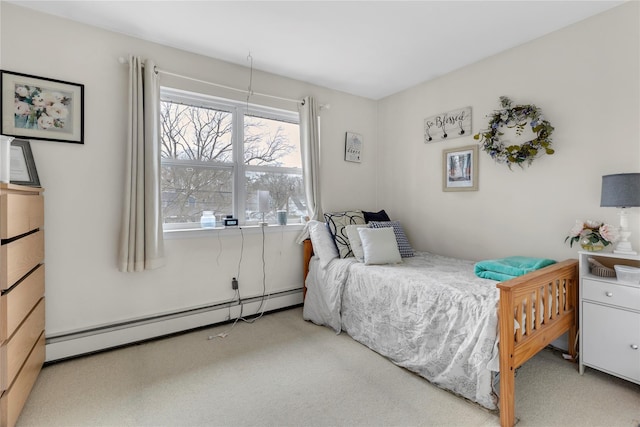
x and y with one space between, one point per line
83 182
585 78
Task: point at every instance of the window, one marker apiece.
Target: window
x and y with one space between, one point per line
218 155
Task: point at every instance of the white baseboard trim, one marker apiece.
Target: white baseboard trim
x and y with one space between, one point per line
77 343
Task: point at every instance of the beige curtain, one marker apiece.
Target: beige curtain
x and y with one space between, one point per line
310 150
141 242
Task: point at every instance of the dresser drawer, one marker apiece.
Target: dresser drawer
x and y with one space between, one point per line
12 401
19 257
24 213
611 293
14 352
19 301
611 340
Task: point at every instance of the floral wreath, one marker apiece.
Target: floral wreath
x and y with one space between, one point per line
518 117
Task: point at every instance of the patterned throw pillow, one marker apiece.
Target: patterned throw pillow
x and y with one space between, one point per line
405 248
337 221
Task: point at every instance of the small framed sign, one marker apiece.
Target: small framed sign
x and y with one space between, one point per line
353 147
22 166
449 125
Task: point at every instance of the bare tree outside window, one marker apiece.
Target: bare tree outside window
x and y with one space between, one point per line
198 164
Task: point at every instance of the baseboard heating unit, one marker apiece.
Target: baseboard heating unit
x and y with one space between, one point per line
90 340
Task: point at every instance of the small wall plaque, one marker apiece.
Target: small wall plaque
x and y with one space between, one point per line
353 147
449 125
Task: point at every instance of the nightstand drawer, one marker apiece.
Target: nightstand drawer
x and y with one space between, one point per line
611 293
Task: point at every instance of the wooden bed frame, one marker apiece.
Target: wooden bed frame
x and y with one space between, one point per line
555 286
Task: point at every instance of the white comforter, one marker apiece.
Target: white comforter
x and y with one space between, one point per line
429 314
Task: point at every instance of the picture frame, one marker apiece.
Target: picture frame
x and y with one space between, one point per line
22 165
35 107
353 147
460 169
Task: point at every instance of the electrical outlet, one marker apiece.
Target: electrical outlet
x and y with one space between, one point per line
234 284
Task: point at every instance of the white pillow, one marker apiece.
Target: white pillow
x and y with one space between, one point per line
323 245
354 240
379 246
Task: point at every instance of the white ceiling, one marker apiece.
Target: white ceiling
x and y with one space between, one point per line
366 48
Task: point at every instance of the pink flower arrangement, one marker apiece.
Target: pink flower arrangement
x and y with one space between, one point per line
594 231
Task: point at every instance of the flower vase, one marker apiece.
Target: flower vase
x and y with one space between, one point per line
21 121
591 246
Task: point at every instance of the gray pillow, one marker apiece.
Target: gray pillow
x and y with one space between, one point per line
404 247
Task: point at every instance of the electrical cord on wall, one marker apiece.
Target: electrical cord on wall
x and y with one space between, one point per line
238 297
263 304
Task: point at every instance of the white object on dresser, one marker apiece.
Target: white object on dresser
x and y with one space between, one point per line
609 319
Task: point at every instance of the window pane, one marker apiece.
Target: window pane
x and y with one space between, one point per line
269 192
195 133
189 190
269 142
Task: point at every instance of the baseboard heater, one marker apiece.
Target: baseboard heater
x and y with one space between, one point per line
91 340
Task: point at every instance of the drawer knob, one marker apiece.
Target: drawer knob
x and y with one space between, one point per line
609 294
634 346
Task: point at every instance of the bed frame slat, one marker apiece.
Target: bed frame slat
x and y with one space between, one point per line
559 283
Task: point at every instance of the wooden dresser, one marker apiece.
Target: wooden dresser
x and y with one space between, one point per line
22 340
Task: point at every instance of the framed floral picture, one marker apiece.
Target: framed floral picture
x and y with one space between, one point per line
460 169
39 108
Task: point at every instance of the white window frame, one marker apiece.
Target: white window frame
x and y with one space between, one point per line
238 110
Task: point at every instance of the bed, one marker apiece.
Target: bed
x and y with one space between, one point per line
504 329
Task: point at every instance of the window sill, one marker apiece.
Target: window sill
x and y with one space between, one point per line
190 233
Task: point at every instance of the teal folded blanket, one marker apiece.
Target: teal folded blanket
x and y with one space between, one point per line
507 268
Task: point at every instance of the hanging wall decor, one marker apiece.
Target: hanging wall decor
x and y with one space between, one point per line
35 107
516 135
460 169
449 125
353 147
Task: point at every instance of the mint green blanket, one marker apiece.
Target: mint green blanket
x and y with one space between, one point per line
507 268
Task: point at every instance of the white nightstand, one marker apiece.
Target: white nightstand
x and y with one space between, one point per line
609 319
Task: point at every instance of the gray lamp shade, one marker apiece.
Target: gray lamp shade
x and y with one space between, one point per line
621 190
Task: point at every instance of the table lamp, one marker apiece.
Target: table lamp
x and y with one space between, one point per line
622 191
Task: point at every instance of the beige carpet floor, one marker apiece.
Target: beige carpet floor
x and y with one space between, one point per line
283 371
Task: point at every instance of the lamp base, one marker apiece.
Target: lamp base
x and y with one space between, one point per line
616 251
624 246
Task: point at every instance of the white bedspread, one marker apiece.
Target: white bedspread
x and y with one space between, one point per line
431 314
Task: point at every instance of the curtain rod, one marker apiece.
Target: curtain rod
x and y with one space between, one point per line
122 60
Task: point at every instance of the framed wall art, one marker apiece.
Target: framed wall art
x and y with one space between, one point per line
22 166
353 147
40 108
460 169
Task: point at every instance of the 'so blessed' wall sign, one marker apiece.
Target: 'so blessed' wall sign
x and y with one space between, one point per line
449 125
